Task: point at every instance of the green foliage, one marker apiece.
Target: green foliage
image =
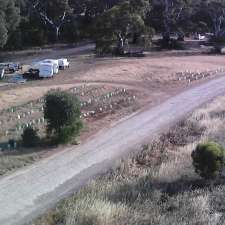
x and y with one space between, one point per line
30 138
119 23
208 159
9 19
62 112
109 22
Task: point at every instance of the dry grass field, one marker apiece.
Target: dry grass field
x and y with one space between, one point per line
158 186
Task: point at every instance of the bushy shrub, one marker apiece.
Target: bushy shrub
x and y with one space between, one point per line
62 112
30 138
67 133
208 159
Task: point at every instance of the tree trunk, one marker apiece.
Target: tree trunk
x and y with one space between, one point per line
57 33
120 45
166 33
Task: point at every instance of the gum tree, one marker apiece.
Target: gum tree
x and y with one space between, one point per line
119 23
53 13
9 19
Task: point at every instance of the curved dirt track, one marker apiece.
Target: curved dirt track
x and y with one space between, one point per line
31 191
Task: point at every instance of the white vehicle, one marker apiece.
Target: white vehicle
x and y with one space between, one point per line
63 63
46 70
200 37
55 64
10 67
2 72
13 67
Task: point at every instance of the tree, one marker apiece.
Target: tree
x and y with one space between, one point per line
214 11
52 12
62 112
9 19
169 16
208 159
117 24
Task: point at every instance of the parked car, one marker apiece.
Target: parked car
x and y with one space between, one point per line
11 66
199 37
63 63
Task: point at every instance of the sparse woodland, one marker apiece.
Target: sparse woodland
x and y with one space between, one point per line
25 23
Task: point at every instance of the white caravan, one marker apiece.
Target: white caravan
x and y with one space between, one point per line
46 70
63 63
55 64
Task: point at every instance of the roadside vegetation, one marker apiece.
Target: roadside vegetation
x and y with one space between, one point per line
160 184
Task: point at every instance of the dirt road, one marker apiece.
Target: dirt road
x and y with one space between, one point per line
29 192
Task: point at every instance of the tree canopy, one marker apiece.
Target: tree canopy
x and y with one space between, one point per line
120 22
9 19
37 22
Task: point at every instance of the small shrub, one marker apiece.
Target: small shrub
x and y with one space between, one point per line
62 112
30 138
208 159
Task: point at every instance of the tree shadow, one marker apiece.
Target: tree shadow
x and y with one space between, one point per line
7 149
145 188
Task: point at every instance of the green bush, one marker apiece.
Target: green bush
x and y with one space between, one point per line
208 159
67 133
62 112
30 138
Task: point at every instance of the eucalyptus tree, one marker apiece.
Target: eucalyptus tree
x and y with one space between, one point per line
215 11
115 25
169 16
52 12
9 19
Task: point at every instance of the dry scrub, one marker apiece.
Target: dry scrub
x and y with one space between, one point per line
158 186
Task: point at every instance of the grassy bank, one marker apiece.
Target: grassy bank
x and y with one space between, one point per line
158 186
11 162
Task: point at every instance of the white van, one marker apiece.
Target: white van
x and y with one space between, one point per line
55 64
63 63
46 70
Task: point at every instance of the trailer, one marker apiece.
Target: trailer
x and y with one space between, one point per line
55 64
46 70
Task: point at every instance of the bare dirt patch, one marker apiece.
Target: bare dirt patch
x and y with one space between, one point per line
154 75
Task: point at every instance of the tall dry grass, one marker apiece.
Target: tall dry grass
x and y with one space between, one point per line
12 162
158 186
